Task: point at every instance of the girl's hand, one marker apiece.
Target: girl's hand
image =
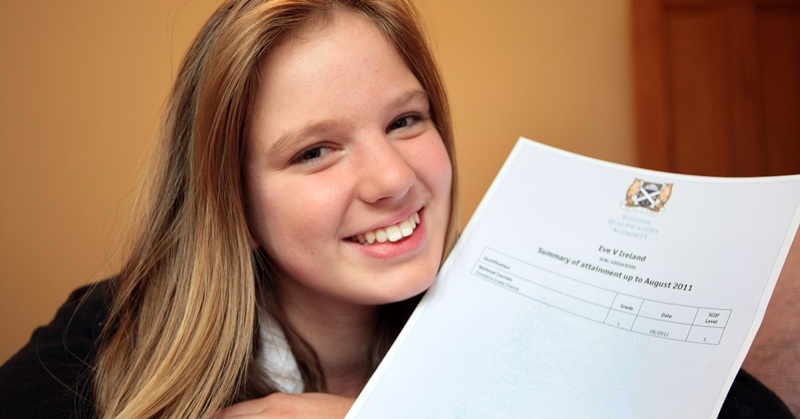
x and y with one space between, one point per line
283 405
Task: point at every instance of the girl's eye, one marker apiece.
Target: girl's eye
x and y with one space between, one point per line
311 155
404 121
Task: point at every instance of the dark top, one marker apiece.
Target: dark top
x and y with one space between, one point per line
50 377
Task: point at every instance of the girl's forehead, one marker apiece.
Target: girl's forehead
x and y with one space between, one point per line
340 26
316 60
346 71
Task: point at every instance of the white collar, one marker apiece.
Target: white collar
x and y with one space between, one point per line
276 358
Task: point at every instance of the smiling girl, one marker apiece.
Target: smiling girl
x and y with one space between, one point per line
295 128
301 201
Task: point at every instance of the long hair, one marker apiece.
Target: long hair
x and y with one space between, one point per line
183 328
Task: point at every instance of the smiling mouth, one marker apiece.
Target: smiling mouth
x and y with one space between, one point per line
390 234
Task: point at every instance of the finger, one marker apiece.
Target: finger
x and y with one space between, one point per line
242 409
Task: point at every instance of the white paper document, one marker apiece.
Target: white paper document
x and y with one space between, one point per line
586 289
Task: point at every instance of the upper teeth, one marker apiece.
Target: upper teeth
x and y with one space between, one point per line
392 233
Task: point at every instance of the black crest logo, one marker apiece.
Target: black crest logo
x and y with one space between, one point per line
648 195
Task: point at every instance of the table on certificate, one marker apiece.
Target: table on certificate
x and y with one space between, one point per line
641 315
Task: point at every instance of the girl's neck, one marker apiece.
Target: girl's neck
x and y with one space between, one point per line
340 334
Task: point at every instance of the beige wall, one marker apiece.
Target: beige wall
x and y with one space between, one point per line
82 82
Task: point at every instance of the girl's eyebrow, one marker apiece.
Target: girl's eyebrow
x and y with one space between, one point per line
286 141
408 97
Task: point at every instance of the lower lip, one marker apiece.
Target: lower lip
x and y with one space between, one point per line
388 250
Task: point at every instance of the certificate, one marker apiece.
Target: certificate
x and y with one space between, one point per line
582 288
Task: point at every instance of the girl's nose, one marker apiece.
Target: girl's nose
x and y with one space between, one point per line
385 172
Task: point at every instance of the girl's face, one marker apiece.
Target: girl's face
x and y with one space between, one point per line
347 178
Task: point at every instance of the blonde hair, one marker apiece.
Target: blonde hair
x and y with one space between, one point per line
183 327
